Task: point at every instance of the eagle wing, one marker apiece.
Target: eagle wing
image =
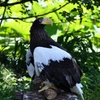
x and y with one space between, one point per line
57 65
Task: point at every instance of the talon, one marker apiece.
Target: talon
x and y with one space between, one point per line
43 83
47 85
43 88
53 87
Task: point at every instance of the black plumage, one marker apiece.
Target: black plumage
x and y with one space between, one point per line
39 36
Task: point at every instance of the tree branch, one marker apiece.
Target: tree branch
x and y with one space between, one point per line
4 11
3 15
14 3
22 18
49 94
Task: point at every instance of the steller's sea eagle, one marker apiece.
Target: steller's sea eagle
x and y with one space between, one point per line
50 61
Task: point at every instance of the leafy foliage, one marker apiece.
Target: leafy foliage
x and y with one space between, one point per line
9 83
76 28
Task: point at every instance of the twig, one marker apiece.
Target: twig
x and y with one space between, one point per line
14 3
4 11
35 15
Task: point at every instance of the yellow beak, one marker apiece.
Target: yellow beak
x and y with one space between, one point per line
47 21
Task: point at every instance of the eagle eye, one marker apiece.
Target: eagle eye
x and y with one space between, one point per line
40 20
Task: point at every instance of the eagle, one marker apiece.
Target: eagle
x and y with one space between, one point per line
50 61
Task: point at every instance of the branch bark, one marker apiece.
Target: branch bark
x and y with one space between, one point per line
35 95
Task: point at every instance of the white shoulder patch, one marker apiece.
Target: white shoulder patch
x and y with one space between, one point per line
38 68
44 55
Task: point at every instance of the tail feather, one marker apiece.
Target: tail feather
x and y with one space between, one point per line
77 89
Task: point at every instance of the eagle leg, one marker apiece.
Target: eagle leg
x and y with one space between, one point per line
47 85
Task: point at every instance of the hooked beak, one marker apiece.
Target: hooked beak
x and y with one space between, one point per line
47 21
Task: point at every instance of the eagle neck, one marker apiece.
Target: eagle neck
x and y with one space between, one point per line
38 33
37 38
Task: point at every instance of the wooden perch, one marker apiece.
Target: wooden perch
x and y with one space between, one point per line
48 94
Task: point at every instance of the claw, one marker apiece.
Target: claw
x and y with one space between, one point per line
47 85
43 88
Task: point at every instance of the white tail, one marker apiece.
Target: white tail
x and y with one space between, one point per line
77 89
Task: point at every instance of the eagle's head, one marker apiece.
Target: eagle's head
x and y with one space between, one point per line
40 23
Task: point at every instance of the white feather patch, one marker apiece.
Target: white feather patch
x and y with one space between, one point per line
38 68
30 69
44 55
77 89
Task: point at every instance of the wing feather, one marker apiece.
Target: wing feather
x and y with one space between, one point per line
59 67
